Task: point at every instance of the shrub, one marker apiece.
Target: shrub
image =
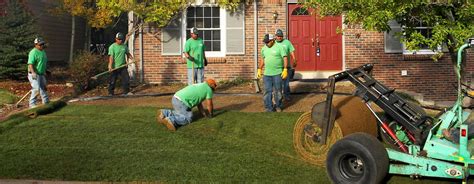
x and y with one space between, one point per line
84 66
17 32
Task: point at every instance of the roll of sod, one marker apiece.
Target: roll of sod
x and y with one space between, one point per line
46 109
353 117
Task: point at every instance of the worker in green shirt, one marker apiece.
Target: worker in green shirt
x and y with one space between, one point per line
286 44
275 62
183 102
118 52
37 63
194 51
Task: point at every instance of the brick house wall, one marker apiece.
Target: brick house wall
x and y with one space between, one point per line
172 69
433 80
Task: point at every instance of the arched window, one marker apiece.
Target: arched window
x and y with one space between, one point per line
300 11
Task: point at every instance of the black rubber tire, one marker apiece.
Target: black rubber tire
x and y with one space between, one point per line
358 158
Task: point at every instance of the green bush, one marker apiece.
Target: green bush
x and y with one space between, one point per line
84 66
17 32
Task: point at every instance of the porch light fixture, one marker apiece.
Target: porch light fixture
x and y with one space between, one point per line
275 16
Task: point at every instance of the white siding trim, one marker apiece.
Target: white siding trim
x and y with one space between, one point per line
236 28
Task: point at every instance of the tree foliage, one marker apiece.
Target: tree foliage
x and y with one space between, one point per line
452 21
17 32
102 13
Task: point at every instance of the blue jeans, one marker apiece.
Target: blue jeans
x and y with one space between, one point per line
286 83
198 75
181 115
38 84
271 82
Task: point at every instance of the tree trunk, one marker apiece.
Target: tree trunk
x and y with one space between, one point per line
73 32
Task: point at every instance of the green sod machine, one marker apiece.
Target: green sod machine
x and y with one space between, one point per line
413 143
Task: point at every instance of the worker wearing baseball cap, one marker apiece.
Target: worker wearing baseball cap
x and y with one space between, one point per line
118 52
275 62
288 46
194 51
37 64
183 102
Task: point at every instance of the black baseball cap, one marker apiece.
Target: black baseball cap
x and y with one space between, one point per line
39 41
267 38
279 32
120 36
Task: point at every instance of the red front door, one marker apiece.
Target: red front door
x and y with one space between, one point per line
318 46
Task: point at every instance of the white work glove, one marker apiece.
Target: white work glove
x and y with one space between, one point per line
131 69
34 76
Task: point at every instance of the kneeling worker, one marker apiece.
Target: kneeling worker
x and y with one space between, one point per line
184 100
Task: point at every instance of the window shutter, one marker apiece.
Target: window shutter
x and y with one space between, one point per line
392 40
235 35
171 38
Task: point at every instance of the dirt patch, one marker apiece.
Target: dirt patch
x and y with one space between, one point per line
239 98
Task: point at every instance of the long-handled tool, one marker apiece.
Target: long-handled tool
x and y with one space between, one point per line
22 98
110 71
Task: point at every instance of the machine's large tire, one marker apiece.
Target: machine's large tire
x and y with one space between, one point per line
358 158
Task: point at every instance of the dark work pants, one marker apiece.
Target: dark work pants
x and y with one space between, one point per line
123 73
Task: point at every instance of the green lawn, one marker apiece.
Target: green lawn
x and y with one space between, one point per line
105 143
6 97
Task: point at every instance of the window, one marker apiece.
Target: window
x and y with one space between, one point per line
426 32
207 20
300 11
394 45
223 32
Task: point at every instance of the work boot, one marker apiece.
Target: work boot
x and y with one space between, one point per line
161 115
169 124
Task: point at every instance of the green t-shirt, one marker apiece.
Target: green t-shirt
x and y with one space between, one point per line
38 59
193 95
273 58
118 54
195 48
286 44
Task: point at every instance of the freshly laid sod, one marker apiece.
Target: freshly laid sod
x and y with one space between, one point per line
6 97
107 143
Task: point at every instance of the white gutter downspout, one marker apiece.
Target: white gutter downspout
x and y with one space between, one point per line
142 75
255 55
131 44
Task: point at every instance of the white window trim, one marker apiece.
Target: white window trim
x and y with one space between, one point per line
222 22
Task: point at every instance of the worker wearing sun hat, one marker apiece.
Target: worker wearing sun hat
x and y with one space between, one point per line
37 63
183 102
275 62
194 51
290 50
